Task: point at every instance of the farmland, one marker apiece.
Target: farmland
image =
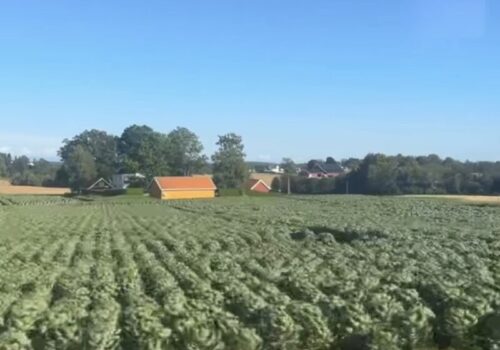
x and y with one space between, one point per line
7 188
467 198
249 273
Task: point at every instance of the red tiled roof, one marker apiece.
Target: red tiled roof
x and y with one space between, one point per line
252 182
185 183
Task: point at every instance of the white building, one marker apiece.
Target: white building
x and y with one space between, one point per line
123 180
277 170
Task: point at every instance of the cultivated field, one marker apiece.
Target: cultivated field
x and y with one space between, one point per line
249 273
466 198
7 188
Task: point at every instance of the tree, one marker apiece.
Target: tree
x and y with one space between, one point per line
20 172
330 160
289 169
495 188
260 168
326 185
130 147
100 145
5 164
312 164
229 168
3 168
351 163
381 174
184 149
276 184
142 150
81 167
20 165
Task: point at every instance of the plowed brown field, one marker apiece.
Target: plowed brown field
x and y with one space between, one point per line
472 199
7 188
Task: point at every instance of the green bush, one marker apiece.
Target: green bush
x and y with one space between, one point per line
229 192
135 191
261 194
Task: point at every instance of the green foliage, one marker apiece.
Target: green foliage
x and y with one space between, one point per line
230 192
143 150
303 185
276 184
107 192
5 164
135 191
381 174
290 169
229 168
247 273
184 149
288 166
37 173
81 167
101 147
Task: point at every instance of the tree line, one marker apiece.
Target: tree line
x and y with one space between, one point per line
379 174
93 154
22 171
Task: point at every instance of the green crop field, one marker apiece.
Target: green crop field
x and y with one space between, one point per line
249 273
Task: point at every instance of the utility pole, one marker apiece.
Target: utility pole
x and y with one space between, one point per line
347 186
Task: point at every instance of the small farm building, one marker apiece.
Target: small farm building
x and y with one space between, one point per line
123 180
258 185
101 184
182 187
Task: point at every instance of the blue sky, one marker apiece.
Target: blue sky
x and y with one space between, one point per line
303 79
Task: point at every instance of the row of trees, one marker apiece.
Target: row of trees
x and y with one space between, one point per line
381 174
386 175
22 171
94 154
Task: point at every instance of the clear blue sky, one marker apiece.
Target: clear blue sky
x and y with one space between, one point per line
304 79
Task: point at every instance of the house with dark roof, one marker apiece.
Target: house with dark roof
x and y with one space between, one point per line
100 185
319 170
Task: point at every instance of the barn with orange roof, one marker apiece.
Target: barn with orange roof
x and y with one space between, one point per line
182 187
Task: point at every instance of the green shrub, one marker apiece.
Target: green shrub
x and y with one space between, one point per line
135 191
229 192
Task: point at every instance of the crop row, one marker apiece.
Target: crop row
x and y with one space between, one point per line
220 275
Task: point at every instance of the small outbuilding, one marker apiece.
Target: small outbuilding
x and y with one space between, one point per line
182 187
100 185
258 185
123 180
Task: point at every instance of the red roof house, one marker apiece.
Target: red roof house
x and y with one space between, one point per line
258 185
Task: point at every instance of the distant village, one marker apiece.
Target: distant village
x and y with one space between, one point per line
173 165
260 179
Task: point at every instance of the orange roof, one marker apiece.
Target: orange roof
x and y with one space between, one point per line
185 183
253 182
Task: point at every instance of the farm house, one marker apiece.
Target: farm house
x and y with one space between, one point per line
258 185
182 187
